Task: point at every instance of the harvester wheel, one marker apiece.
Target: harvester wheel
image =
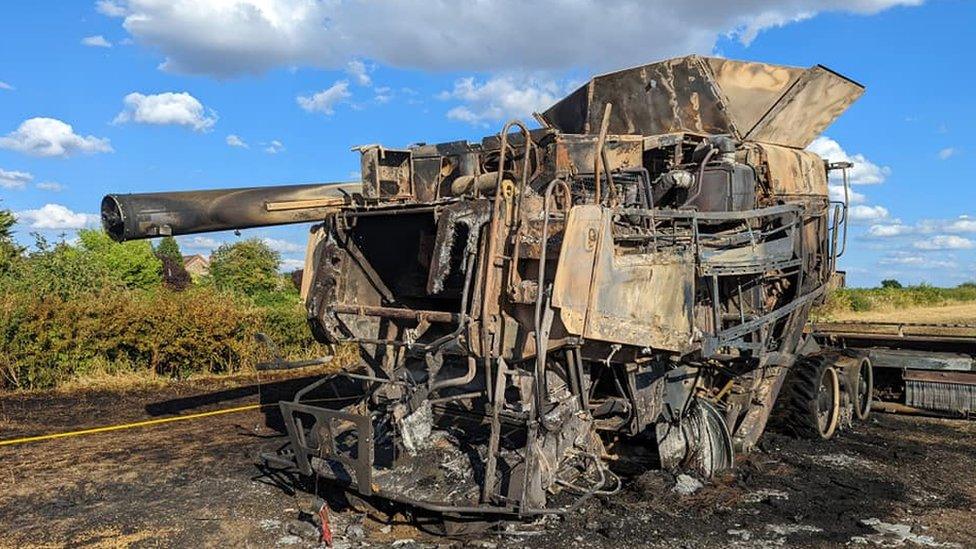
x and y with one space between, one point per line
863 389
812 399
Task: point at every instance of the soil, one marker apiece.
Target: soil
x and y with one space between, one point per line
893 480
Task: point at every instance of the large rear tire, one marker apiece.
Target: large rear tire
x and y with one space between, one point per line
811 399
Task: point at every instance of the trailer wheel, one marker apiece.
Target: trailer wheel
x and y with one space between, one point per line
864 389
812 399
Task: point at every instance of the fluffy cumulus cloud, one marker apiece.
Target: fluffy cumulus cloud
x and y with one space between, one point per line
888 230
945 242
51 137
867 214
55 216
961 224
10 179
864 171
233 37
325 101
167 109
97 41
235 141
501 98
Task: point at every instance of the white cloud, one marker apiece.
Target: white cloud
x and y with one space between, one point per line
913 260
325 100
283 246
235 141
111 8
169 108
871 214
889 230
358 70
5 86
864 171
233 37
198 242
274 147
55 216
962 224
292 264
97 41
945 242
51 137
14 179
946 153
837 193
383 94
501 98
50 186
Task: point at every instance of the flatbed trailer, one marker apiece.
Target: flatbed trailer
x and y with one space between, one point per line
917 367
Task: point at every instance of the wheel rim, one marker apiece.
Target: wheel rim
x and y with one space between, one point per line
865 388
827 402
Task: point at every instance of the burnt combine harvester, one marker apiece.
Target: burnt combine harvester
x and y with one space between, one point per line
638 270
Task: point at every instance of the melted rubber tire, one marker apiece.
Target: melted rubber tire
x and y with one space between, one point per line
810 401
863 396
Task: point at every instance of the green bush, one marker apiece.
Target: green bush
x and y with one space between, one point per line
248 267
49 340
75 312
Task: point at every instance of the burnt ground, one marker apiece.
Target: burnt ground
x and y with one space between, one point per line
894 480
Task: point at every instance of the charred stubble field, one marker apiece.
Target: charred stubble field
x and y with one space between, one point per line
891 481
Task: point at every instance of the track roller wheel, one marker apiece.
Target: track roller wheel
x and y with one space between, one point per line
811 399
863 389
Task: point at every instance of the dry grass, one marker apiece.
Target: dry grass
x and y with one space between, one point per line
954 313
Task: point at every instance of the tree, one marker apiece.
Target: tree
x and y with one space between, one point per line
133 264
168 247
174 273
9 250
248 267
891 283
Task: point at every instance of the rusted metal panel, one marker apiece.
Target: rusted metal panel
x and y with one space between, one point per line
777 104
574 154
640 299
789 171
818 98
751 89
574 272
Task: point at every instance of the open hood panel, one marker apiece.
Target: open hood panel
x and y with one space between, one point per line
787 106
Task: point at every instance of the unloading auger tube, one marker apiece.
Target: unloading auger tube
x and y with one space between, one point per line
149 215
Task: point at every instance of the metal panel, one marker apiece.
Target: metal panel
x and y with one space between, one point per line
637 299
777 104
751 89
810 105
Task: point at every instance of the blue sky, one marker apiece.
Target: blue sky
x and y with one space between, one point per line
153 91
